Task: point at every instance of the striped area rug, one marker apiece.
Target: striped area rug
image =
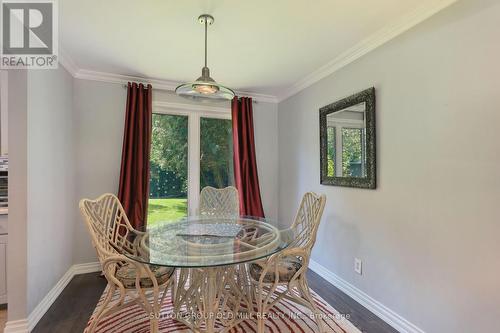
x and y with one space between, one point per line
286 317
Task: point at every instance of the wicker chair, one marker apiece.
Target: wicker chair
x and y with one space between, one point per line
287 269
222 202
113 237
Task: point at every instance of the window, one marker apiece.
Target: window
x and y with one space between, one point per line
216 153
352 152
331 151
189 150
346 152
168 168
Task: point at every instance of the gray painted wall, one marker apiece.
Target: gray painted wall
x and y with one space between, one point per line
428 236
42 205
52 206
99 108
18 175
100 112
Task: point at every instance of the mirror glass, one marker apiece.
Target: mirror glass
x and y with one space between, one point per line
346 142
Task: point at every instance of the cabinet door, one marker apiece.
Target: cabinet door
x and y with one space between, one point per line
3 269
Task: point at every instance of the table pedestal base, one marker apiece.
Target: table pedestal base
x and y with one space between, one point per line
210 300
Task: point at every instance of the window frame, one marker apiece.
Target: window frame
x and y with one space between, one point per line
194 113
339 144
363 148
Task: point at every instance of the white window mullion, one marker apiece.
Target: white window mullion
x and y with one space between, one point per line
194 113
193 163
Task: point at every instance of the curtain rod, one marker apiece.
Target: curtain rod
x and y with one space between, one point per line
164 89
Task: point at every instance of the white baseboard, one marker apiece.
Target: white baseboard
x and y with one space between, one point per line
47 301
26 325
17 326
89 267
380 310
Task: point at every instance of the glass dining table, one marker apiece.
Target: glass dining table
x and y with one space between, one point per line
212 288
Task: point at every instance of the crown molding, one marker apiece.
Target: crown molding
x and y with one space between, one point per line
84 74
66 61
367 45
258 97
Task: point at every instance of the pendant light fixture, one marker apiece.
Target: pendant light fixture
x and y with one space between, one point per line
205 88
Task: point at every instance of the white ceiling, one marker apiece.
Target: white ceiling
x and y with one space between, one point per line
258 46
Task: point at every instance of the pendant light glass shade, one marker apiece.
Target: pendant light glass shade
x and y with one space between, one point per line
205 88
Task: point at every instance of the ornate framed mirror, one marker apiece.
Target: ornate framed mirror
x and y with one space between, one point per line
347 141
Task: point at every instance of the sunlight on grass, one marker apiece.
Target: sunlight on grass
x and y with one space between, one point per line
166 210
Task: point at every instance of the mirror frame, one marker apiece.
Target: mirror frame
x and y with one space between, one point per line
367 96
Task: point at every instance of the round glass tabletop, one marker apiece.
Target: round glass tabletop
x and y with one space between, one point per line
207 241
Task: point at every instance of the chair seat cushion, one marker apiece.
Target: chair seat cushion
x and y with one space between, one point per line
127 274
286 270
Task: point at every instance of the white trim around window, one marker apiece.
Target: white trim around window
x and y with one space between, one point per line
194 112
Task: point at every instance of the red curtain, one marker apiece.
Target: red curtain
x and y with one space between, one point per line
134 175
245 165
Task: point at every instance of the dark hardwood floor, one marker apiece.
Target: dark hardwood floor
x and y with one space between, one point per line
72 309
363 319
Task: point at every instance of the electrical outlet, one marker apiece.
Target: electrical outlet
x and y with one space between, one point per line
358 266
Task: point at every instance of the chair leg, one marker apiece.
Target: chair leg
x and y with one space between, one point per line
172 286
102 311
261 324
153 324
259 298
306 293
156 308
